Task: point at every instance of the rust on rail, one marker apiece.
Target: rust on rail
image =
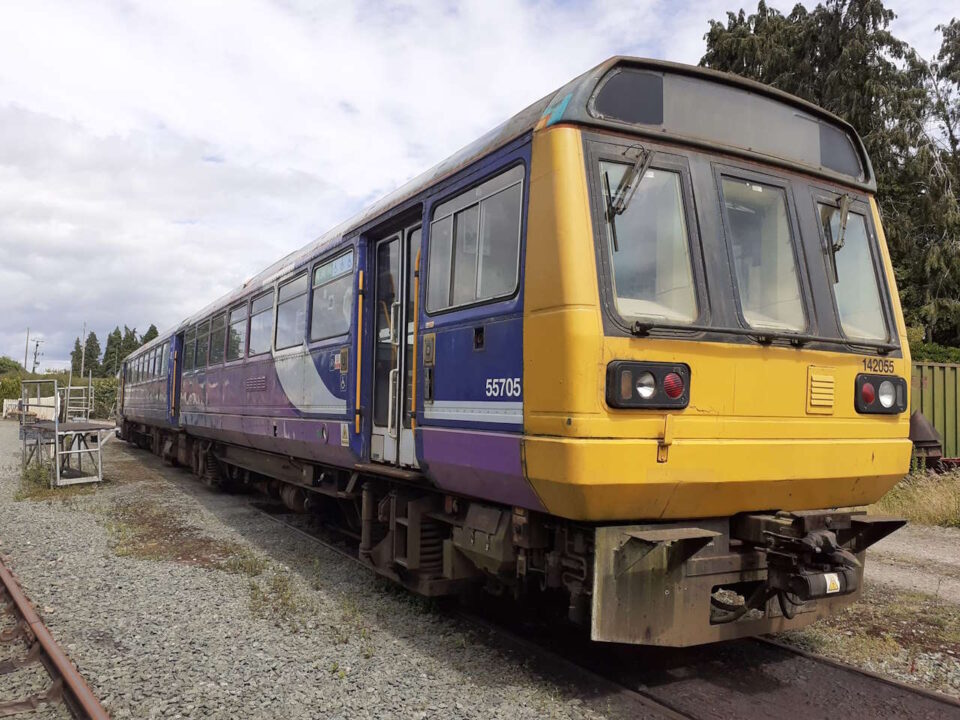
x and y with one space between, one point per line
66 681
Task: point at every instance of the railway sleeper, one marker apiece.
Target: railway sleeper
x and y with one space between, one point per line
672 583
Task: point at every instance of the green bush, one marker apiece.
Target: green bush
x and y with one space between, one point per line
932 352
104 397
9 387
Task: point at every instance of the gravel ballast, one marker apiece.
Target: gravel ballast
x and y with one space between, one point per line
176 601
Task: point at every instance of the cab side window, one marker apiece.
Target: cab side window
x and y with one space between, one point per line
475 244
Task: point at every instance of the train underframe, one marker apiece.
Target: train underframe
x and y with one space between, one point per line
675 583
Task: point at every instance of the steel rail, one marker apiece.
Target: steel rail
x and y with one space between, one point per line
899 684
642 699
78 697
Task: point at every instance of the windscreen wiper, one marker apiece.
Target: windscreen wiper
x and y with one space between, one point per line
843 203
617 202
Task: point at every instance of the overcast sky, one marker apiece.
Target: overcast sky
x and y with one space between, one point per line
153 155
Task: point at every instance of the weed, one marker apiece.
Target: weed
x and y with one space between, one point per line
35 485
924 498
245 562
278 599
886 628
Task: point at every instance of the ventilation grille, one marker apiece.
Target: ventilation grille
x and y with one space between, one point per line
255 384
820 391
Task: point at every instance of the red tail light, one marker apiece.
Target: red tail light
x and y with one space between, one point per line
648 385
867 393
673 385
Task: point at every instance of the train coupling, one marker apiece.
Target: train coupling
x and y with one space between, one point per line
812 554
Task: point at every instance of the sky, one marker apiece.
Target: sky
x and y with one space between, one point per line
155 155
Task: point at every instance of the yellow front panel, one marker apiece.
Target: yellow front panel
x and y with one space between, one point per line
761 431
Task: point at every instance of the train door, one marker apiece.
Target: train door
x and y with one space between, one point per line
175 353
394 323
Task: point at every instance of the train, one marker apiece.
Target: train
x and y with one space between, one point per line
637 353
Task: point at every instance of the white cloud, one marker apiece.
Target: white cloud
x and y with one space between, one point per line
153 155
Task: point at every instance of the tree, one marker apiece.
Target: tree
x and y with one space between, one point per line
111 354
150 334
129 343
9 365
92 355
75 356
842 57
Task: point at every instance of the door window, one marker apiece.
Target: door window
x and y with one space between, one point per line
388 280
413 245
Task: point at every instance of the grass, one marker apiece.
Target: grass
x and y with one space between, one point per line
150 531
924 498
35 485
276 598
245 562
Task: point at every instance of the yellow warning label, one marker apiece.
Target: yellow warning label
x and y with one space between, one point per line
833 583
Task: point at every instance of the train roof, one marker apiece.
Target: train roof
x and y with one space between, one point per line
785 122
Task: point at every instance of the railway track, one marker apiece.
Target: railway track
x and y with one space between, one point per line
36 676
752 678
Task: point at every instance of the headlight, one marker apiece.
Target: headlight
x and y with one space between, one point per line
887 394
880 394
647 384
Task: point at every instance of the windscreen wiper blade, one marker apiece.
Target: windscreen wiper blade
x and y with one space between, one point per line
617 202
843 203
631 180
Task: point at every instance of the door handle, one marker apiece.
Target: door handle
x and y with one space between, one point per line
392 403
395 323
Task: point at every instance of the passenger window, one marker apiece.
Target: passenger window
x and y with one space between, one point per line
203 344
154 357
856 289
189 344
292 313
763 259
217 327
261 324
237 333
164 358
332 298
475 243
649 248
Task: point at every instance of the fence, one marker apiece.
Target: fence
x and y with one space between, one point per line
935 391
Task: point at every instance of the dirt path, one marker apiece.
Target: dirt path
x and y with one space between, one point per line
918 558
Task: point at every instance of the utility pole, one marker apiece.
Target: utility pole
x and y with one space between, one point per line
26 351
83 347
36 355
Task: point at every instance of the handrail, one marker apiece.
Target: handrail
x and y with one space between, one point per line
416 335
